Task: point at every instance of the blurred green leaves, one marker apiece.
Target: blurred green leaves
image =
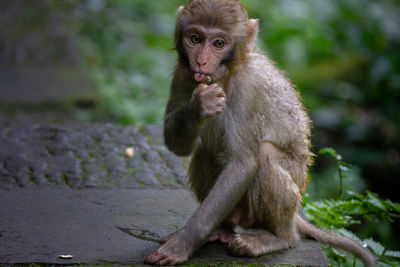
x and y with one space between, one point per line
342 56
128 47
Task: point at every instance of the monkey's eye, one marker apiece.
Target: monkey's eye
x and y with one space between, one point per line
219 43
195 39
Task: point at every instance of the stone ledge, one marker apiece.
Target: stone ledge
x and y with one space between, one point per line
115 225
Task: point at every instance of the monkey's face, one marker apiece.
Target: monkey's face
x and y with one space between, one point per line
208 51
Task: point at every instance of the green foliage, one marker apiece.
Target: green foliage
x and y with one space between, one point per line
342 166
343 213
127 45
353 210
334 52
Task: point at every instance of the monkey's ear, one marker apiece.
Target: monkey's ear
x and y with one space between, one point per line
252 30
179 11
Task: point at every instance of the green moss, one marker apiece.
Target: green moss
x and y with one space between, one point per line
30 175
158 177
107 170
140 184
64 178
140 234
149 139
51 152
83 172
48 179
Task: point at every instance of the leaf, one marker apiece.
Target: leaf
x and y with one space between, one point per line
376 247
349 234
338 253
394 254
374 201
343 168
382 264
396 207
328 151
353 194
393 206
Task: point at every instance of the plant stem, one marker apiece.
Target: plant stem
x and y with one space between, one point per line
383 254
340 182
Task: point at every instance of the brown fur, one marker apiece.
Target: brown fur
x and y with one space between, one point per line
248 135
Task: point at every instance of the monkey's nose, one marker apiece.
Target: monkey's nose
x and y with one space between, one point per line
201 61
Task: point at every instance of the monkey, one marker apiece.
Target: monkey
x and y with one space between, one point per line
248 137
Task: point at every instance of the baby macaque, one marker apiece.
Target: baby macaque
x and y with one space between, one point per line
248 136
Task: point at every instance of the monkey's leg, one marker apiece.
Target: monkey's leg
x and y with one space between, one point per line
274 199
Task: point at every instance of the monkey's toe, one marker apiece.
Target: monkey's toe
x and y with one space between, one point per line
222 235
240 246
159 258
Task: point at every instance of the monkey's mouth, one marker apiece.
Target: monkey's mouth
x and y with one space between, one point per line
200 77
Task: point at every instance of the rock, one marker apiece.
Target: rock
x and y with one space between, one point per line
87 155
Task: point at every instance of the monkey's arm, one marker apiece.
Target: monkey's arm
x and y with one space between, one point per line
181 128
228 190
182 122
186 112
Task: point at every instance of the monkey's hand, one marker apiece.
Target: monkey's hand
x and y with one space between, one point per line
208 101
176 250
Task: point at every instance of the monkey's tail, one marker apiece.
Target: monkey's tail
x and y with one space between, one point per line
335 240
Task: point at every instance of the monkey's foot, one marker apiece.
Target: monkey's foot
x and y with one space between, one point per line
165 256
256 244
176 250
222 235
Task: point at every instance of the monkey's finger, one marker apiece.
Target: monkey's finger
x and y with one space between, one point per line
221 101
219 110
221 94
149 259
221 105
154 258
166 261
203 86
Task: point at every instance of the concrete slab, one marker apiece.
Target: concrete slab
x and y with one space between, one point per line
115 225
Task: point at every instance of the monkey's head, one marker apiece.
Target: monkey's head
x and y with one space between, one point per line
213 37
